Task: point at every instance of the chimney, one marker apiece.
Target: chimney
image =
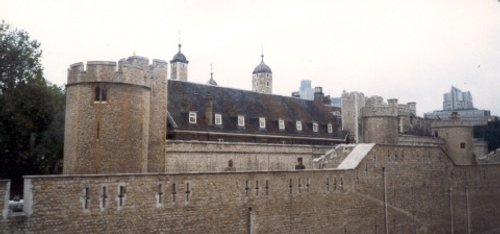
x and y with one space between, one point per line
209 110
318 94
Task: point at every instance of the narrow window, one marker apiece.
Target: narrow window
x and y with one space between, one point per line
267 187
262 122
104 197
86 197
97 94
300 185
462 145
98 129
121 195
308 184
241 121
281 124
290 186
267 84
246 188
328 184
315 127
218 119
160 194
100 94
192 117
257 187
174 192
298 125
188 192
330 128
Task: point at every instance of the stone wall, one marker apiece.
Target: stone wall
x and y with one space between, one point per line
420 140
401 188
183 156
4 198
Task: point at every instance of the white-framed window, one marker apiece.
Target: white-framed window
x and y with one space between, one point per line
281 124
298 124
218 119
192 117
330 128
262 122
241 121
315 127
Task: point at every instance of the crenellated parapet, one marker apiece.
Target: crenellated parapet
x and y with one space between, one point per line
134 70
376 107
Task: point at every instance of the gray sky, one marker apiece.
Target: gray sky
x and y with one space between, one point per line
407 49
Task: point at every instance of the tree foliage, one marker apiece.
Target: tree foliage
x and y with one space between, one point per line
31 109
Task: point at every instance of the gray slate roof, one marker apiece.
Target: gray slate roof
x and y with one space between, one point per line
184 97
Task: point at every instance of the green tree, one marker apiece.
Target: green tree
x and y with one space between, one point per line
31 110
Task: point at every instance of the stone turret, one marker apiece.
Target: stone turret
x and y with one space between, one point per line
262 78
179 66
459 138
115 116
380 121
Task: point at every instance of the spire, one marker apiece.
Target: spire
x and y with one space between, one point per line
179 39
211 81
262 52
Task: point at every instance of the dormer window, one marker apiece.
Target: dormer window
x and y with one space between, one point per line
192 117
315 127
218 119
298 125
281 124
330 128
100 94
262 122
241 121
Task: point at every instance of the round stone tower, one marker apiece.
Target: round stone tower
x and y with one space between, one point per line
108 108
459 137
380 122
262 78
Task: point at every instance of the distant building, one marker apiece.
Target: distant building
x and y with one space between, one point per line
457 100
305 90
336 101
461 103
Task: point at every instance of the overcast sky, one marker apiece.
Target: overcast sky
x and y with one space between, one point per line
413 50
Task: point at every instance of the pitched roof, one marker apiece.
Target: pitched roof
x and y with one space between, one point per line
184 97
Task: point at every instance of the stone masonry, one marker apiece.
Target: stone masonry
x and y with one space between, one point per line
394 189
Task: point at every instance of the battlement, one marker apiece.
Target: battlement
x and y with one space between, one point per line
451 123
407 109
134 70
379 111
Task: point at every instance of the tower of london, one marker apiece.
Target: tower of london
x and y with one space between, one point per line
147 154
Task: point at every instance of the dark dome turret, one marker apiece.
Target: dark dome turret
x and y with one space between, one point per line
179 57
262 67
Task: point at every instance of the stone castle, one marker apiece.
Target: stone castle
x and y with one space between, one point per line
147 154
